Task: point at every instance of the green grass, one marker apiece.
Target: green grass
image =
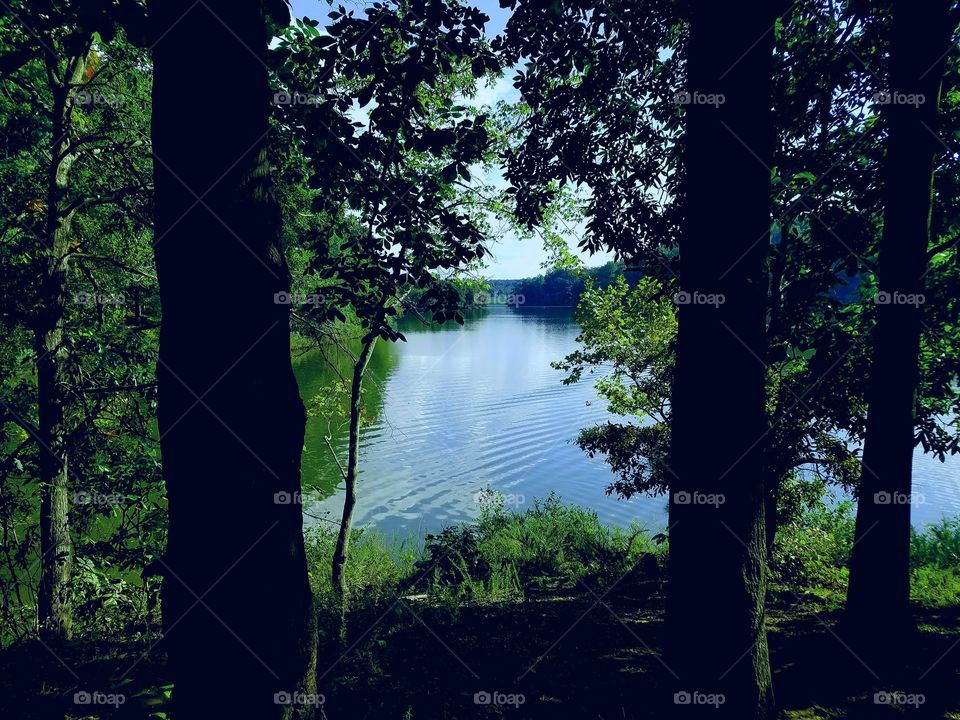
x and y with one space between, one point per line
547 547
376 564
503 555
812 555
938 545
550 547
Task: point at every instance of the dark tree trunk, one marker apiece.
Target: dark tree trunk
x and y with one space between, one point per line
879 589
716 643
54 603
342 549
239 625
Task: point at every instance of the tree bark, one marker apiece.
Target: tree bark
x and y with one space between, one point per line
716 640
350 475
879 589
239 623
54 602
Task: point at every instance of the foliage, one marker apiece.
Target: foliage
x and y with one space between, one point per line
378 565
562 286
111 602
602 96
628 337
379 160
396 179
504 555
812 554
397 171
110 306
814 550
938 545
597 87
547 547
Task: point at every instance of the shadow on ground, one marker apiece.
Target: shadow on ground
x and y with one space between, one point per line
561 656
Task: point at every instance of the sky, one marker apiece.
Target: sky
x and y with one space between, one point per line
511 257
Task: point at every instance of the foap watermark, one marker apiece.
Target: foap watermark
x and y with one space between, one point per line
301 699
898 498
693 97
97 298
895 697
287 498
290 298
497 298
84 697
698 498
98 498
499 698
295 98
699 298
898 298
695 697
92 97
893 97
510 500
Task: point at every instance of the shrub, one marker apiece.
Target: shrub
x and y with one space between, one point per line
376 565
812 553
937 545
935 564
813 550
548 546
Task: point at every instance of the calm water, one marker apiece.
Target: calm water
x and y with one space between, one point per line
459 409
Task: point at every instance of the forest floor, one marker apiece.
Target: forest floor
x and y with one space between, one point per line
557 656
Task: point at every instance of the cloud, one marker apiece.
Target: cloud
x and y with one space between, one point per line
490 93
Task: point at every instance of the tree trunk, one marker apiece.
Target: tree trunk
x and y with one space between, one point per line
879 589
716 640
350 476
54 602
239 624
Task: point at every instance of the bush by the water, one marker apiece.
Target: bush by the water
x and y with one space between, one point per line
812 555
505 554
551 547
546 547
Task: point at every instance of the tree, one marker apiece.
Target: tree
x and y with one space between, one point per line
397 185
628 337
593 82
601 85
879 589
597 110
715 618
58 59
237 605
628 340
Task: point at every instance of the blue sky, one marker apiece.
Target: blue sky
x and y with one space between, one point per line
512 257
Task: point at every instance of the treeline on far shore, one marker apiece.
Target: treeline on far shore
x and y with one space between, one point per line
558 287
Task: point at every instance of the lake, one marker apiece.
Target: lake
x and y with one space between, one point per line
458 409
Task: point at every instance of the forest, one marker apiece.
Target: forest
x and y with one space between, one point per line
281 440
